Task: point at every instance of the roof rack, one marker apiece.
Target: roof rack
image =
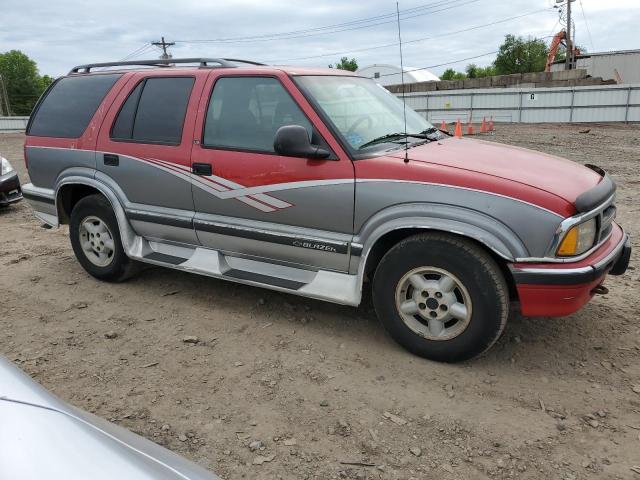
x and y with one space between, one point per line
204 62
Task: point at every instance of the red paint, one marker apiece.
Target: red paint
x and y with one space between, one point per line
561 300
177 154
529 176
89 138
480 161
252 169
555 300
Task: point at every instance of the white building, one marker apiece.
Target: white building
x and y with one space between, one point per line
622 66
392 74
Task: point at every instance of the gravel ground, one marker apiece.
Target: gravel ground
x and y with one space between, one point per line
278 386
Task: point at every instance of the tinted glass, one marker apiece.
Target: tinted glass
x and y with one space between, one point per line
123 126
160 112
70 104
246 112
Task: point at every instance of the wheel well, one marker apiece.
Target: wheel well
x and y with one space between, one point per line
69 196
388 240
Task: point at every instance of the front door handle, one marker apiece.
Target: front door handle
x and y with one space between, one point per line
111 160
202 169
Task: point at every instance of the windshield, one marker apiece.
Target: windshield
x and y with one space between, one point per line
366 114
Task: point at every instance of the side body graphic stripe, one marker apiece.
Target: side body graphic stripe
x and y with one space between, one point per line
257 196
216 186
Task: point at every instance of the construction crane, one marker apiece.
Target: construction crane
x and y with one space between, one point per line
558 39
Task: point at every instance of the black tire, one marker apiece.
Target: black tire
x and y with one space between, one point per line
120 267
476 270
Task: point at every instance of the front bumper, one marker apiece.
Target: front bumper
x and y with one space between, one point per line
10 191
556 290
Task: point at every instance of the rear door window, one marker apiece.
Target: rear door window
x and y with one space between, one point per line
69 105
154 112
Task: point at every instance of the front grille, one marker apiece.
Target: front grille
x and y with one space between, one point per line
605 222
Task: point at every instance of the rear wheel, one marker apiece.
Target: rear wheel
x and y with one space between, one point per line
441 297
95 238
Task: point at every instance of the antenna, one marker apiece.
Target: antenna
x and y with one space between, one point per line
404 102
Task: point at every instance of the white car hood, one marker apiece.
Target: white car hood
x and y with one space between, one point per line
42 437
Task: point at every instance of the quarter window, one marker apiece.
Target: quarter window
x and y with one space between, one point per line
69 105
154 111
245 112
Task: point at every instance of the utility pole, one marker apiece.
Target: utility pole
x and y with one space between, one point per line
164 45
569 64
4 98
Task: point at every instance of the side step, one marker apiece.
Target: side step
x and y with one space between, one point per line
325 285
164 258
265 279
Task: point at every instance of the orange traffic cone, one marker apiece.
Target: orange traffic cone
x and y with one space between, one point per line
470 129
483 127
491 128
443 127
458 132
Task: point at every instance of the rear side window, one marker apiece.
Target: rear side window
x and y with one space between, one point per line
68 107
154 111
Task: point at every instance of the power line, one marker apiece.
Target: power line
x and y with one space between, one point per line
445 64
450 63
137 51
417 40
314 32
326 27
586 22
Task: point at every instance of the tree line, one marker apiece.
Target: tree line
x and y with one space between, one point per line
22 81
516 55
24 84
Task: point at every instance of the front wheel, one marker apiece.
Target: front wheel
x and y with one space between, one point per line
441 297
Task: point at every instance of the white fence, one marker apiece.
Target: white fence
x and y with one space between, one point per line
13 124
606 103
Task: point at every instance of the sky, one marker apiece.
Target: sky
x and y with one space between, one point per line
436 33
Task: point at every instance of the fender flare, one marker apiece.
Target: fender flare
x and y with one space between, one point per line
78 177
472 224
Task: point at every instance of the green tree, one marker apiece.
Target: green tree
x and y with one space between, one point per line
346 64
562 52
22 80
451 74
520 55
473 71
45 81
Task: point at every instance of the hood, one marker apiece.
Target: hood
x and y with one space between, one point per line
555 175
16 385
42 437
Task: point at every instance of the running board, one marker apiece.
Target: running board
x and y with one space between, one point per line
334 287
164 258
264 279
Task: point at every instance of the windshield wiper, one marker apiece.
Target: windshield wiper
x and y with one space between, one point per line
389 136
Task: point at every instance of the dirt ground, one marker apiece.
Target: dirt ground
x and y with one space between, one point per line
285 387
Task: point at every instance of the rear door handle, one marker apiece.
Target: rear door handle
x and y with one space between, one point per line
111 160
202 169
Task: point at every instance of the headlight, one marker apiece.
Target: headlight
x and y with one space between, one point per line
5 166
578 239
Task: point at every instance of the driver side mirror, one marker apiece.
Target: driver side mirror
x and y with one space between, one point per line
293 141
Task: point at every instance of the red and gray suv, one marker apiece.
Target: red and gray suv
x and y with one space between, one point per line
309 181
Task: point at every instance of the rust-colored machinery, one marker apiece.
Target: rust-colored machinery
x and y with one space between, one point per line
558 39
